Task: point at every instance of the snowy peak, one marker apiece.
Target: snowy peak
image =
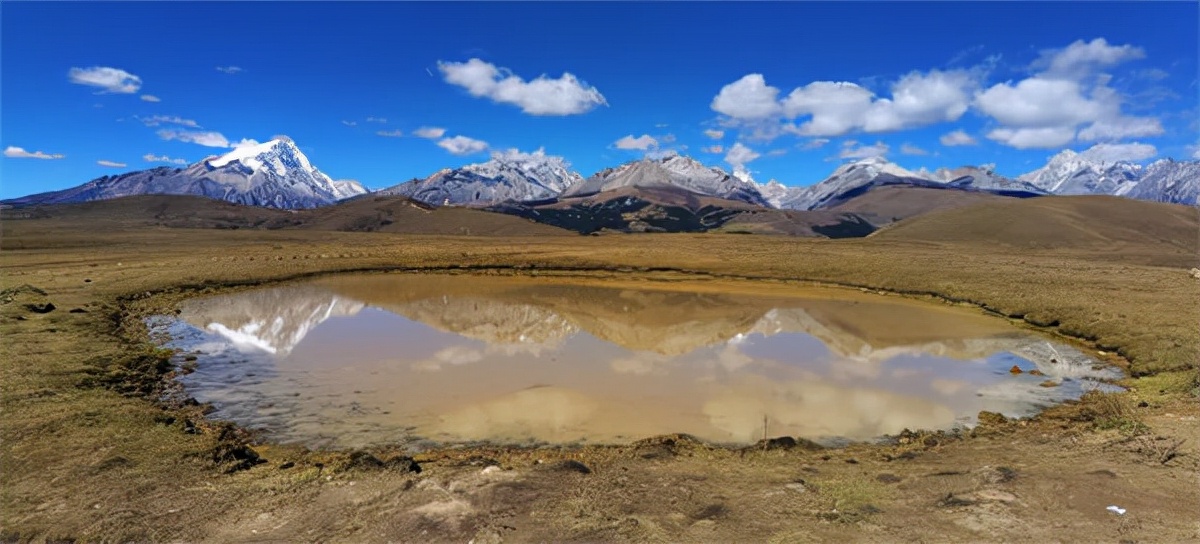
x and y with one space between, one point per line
1071 173
510 176
279 155
673 171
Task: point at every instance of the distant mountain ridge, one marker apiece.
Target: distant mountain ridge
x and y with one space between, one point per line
274 174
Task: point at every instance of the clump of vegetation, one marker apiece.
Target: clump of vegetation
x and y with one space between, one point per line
131 373
1111 411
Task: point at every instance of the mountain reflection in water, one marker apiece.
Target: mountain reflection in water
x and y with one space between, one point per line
358 360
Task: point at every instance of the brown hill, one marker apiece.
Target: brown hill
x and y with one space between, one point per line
365 214
1066 222
891 203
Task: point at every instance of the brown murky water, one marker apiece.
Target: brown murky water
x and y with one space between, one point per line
420 360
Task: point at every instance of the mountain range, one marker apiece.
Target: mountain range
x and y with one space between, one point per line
671 193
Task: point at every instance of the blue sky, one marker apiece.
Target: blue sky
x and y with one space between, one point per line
783 90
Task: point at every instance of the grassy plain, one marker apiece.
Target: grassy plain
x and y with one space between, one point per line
89 454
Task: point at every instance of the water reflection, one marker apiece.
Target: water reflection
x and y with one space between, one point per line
359 360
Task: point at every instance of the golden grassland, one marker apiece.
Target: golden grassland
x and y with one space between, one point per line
86 455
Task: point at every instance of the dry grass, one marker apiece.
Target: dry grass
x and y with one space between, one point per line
66 449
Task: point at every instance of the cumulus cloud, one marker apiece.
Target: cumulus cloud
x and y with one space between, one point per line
390 133
739 155
565 95
1121 127
1067 99
431 133
112 164
169 119
851 150
1033 138
151 157
205 138
715 148
910 149
230 69
748 98
462 145
1082 58
110 80
957 138
836 108
14 152
641 143
1120 152
715 134
150 98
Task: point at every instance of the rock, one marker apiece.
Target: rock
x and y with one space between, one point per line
1049 383
951 500
362 459
41 308
780 443
1036 372
1195 273
77 311
994 495
566 465
286 465
402 463
888 478
1015 370
798 487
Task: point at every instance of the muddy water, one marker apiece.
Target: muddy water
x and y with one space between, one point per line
422 360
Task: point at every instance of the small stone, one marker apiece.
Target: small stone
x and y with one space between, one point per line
798 487
1015 370
1036 372
43 308
995 495
1049 383
286 465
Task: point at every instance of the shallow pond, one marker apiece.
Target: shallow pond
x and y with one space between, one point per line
421 360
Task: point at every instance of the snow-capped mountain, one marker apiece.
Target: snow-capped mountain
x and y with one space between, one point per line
848 177
273 174
510 176
1167 180
674 171
979 177
774 192
1071 173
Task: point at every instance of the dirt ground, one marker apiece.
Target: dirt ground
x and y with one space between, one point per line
89 453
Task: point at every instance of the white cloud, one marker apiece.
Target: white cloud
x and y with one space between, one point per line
1038 102
169 119
390 133
432 133
748 98
739 155
957 138
1121 127
377 119
462 145
151 157
111 80
248 142
14 152
112 164
910 149
641 143
814 143
1033 138
837 108
565 95
229 69
715 148
715 134
1047 109
150 98
1196 153
205 138
922 99
1082 58
1120 152
349 123
850 150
